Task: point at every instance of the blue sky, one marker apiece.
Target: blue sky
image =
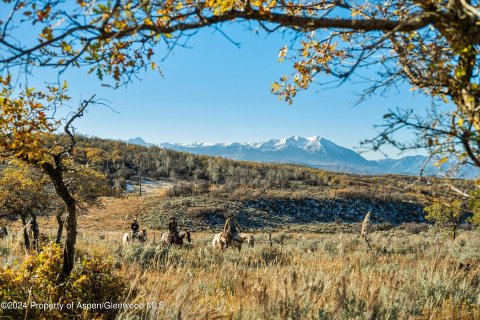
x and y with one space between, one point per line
216 92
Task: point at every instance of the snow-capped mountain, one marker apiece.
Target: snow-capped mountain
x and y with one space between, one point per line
316 152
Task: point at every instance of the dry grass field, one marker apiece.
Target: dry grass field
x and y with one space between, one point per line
310 276
414 273
302 276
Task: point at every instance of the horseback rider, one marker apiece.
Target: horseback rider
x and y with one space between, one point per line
231 230
172 227
135 227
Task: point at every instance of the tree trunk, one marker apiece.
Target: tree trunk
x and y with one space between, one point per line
140 183
35 231
26 240
60 226
70 239
56 176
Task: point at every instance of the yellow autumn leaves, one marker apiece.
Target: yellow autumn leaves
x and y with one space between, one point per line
24 121
219 7
312 58
23 189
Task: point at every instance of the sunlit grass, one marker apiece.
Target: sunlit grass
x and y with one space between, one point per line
310 276
301 276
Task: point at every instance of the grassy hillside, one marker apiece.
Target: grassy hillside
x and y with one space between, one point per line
295 207
122 161
199 190
263 195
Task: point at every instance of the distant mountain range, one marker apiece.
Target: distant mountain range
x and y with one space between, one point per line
314 152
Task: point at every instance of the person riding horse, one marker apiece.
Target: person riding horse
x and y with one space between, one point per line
231 230
135 228
172 227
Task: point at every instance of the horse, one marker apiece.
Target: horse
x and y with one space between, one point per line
142 237
219 241
126 238
3 232
167 238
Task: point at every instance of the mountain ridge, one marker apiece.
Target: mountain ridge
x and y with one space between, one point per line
315 152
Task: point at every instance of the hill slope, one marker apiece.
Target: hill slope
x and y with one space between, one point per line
264 195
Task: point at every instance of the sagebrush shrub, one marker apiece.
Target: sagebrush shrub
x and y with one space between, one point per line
93 280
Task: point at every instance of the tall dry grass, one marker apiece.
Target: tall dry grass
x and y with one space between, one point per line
405 276
302 276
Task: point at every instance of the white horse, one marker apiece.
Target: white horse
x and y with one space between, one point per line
166 238
127 237
219 241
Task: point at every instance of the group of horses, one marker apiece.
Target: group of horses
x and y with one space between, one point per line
166 238
219 240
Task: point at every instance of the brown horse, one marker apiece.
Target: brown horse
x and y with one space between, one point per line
167 238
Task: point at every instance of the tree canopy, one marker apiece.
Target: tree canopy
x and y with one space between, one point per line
27 127
432 45
23 191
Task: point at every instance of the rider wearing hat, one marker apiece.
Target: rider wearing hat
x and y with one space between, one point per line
172 227
135 227
231 230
